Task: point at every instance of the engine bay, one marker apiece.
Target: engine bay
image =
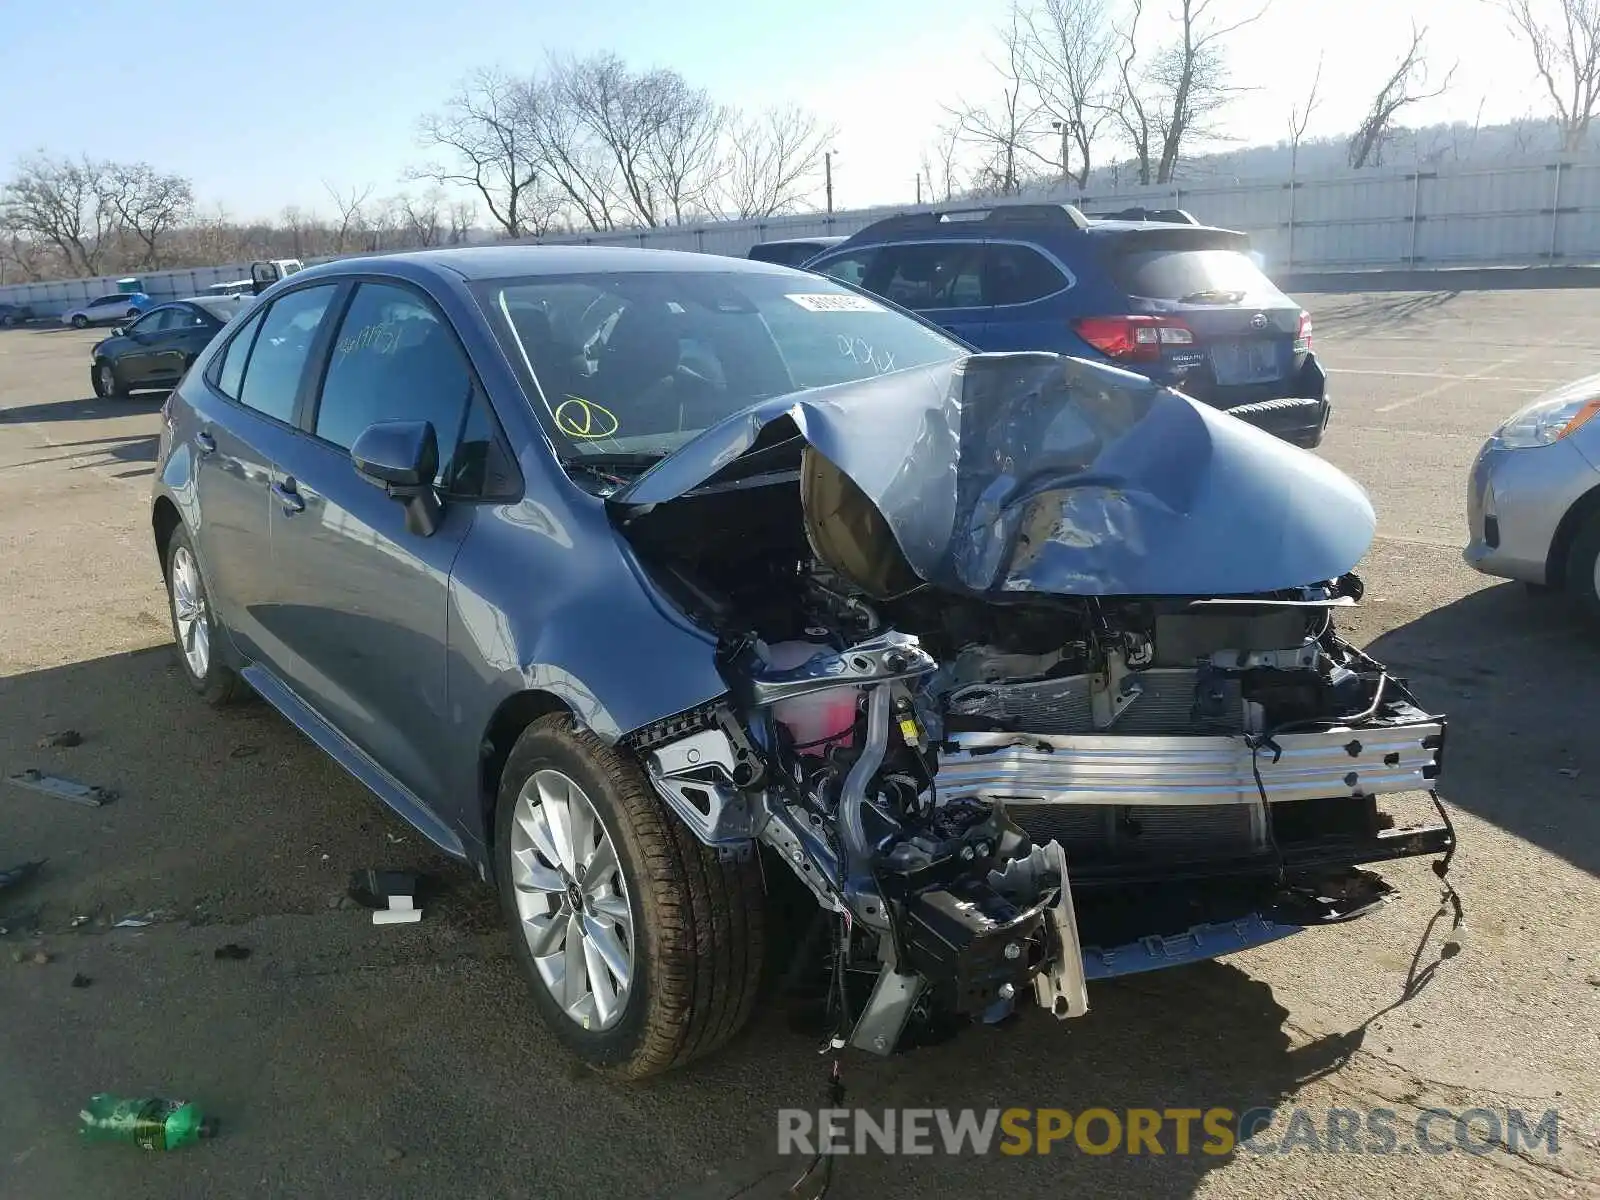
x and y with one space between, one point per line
1008 795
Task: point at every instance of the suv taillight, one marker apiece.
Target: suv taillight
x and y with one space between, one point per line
1133 338
1302 335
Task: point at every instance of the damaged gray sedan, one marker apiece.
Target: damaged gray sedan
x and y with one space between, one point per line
656 585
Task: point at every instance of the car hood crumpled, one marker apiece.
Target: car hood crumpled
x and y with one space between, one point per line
1007 473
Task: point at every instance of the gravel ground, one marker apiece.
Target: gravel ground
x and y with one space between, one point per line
351 1061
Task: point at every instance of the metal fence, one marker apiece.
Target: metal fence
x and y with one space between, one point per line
1509 214
1492 214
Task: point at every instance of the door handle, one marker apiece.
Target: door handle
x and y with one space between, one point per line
291 500
205 442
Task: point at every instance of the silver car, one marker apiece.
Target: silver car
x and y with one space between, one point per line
113 306
1533 502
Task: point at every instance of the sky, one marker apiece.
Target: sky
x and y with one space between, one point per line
267 105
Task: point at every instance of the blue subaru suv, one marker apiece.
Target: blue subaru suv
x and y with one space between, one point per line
1152 291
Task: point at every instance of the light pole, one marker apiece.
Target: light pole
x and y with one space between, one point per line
1064 128
827 177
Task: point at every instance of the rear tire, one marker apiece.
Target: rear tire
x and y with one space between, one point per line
697 925
195 627
1583 566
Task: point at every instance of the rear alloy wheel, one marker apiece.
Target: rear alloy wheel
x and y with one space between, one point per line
195 628
642 948
9 320
79 321
106 383
1583 566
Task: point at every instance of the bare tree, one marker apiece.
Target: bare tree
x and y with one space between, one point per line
684 153
352 214
1300 117
1005 133
1566 53
148 204
939 164
64 202
1406 85
618 111
772 160
567 159
463 215
483 143
1128 103
1192 77
420 216
1068 55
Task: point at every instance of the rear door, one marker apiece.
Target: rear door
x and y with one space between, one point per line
361 603
1026 288
941 280
1247 342
241 422
187 332
136 365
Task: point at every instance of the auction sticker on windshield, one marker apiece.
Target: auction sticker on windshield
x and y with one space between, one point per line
835 302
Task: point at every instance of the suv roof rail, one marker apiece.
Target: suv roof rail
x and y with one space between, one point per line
1063 215
1166 216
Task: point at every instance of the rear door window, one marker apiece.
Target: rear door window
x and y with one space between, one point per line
282 348
154 322
933 275
1019 275
230 373
851 268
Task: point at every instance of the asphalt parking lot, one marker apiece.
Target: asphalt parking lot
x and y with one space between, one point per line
348 1061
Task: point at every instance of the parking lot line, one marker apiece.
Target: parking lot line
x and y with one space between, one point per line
1476 377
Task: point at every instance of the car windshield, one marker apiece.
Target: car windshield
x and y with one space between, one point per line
636 364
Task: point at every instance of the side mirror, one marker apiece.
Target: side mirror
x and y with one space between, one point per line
402 457
120 331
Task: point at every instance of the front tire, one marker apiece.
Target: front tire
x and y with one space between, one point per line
195 627
642 948
106 384
1583 566
79 321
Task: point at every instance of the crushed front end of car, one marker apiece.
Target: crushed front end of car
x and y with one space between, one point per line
1033 678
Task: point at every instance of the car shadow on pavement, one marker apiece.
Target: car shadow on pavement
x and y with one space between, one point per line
235 829
1516 674
91 408
102 452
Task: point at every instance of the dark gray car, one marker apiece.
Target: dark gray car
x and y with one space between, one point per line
616 572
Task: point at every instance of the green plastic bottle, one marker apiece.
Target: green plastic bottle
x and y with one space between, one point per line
150 1122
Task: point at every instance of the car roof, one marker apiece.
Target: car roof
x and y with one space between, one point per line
829 240
501 262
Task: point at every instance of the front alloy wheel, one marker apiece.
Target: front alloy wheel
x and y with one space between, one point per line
642 947
573 900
